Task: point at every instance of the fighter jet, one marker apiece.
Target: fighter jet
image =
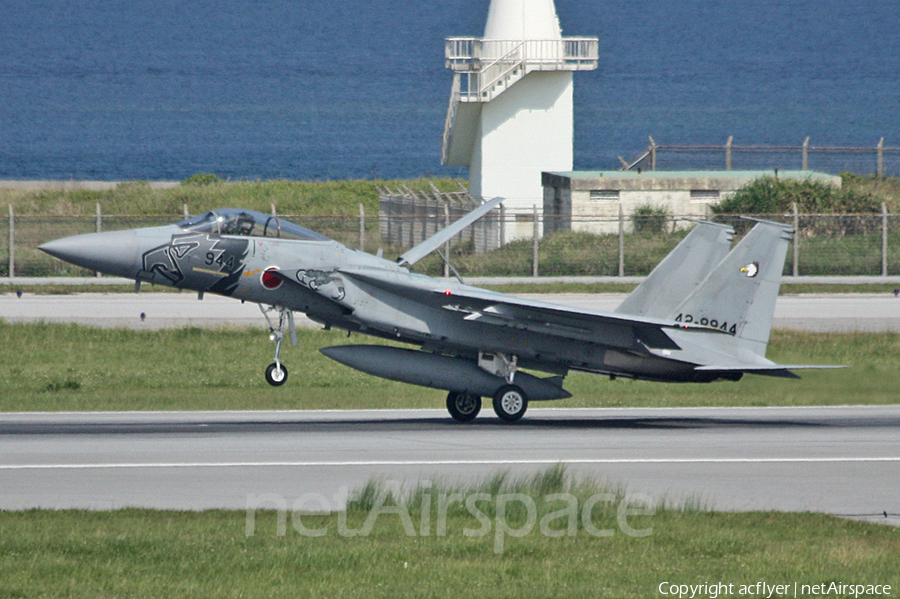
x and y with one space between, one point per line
703 314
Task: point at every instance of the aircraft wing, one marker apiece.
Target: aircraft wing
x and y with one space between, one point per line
563 321
492 308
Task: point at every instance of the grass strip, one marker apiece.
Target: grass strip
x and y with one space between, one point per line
137 198
65 367
146 553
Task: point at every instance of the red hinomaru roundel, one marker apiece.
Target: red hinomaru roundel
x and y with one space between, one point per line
269 280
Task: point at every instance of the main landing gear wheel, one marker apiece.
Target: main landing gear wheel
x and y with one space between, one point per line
510 403
463 406
276 374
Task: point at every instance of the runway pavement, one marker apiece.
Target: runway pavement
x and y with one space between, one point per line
837 460
840 460
820 312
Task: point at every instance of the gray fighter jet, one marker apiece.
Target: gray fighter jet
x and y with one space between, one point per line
702 315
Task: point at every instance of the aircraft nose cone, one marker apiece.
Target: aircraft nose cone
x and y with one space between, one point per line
113 252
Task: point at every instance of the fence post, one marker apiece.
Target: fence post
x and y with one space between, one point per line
362 228
97 273
621 241
386 212
806 153
534 245
652 154
425 219
796 241
274 212
410 227
502 225
728 153
471 230
880 149
404 221
446 243
12 242
884 240
483 223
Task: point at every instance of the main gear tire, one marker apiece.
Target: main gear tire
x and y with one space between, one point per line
463 407
510 403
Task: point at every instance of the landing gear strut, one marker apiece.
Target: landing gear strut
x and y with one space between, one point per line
276 373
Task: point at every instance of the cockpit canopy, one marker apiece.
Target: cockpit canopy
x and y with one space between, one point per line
248 223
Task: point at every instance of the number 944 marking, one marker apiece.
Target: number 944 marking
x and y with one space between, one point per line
708 322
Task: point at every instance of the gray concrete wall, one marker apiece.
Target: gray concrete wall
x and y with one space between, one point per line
669 191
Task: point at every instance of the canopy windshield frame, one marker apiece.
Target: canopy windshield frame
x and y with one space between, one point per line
248 223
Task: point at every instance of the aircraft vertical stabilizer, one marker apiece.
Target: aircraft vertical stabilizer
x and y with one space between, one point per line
738 296
679 274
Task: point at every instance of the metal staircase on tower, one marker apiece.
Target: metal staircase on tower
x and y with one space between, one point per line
485 68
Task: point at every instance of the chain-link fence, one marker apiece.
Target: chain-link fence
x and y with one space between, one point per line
877 159
825 244
408 218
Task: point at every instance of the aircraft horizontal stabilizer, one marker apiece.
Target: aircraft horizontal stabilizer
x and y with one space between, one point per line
776 370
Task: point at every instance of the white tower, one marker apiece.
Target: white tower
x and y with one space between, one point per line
511 113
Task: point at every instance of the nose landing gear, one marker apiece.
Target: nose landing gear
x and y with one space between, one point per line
276 373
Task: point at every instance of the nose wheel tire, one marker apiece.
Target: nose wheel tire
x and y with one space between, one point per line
463 407
276 374
510 403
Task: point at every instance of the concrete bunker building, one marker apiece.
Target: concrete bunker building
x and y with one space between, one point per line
591 201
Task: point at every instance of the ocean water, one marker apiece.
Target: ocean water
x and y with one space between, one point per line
308 89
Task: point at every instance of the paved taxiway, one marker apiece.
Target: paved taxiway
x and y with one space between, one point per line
840 460
819 312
